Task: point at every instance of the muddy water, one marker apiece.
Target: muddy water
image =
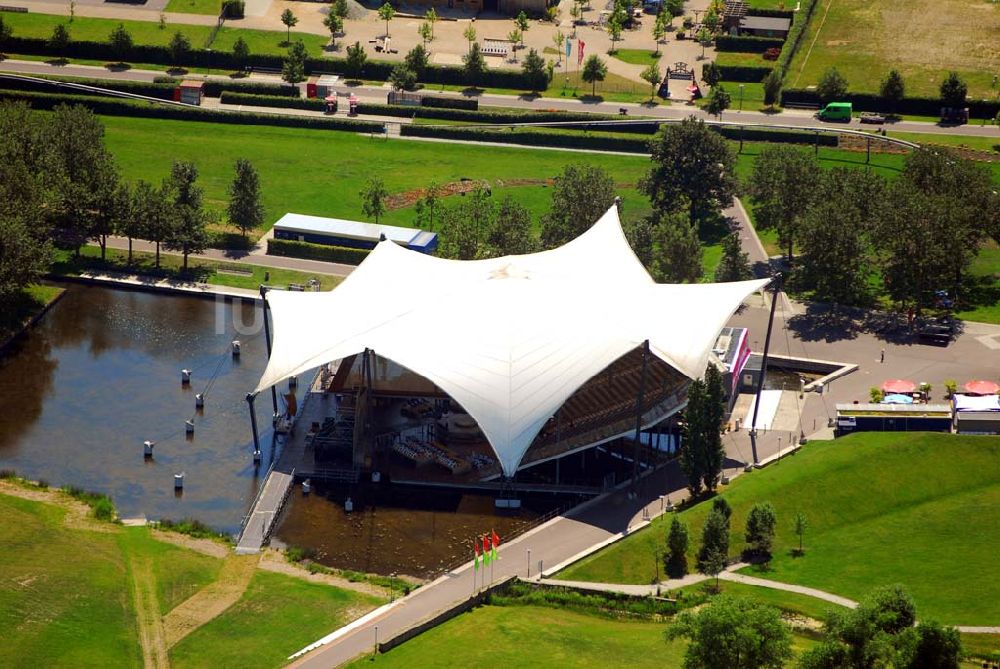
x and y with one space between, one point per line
100 374
412 531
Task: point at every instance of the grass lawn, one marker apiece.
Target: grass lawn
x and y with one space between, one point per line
322 173
149 32
210 7
205 271
791 602
638 56
923 39
882 508
962 141
276 616
614 88
740 58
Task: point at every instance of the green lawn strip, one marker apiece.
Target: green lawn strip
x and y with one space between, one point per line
179 572
985 646
882 508
267 41
638 56
276 616
964 141
65 598
297 165
791 602
741 58
614 88
204 271
24 307
210 7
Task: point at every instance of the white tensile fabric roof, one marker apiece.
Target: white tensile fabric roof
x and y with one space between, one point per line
511 338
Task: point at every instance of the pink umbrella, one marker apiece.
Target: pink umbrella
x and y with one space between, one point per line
982 387
899 386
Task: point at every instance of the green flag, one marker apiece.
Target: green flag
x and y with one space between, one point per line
475 557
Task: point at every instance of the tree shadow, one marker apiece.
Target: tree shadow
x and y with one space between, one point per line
591 99
821 323
57 62
472 92
529 97
177 71
117 67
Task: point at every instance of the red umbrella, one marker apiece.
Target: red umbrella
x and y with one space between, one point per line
899 386
331 98
982 387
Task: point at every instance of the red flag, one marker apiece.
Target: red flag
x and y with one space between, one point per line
579 51
496 539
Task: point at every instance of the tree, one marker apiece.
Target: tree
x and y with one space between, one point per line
474 65
121 42
663 20
373 197
953 91
188 231
335 24
241 53
614 32
832 85
693 167
417 60
714 547
702 454
426 32
59 39
675 559
386 12
733 633
594 70
430 200
933 647
5 33
514 36
892 90
675 7
678 258
580 196
179 48
772 88
521 21
800 523
710 73
692 460
403 78
290 21
355 61
735 264
535 74
715 408
432 18
465 225
761 523
25 258
340 8
718 101
152 212
559 39
293 69
704 38
245 209
651 75
470 35
127 221
576 12
783 186
510 232
711 20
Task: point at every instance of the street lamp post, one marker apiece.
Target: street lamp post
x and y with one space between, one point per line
529 563
209 52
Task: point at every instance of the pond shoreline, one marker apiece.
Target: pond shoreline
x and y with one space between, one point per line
31 321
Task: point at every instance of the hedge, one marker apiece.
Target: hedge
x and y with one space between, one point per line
341 254
917 106
746 73
214 88
160 55
774 13
746 44
530 138
449 103
794 36
139 108
160 91
776 136
482 116
231 98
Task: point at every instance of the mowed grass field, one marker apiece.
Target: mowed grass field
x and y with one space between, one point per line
276 616
918 509
923 39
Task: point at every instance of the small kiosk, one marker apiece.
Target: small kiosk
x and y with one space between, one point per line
190 92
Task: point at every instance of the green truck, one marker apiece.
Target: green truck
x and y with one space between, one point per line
835 111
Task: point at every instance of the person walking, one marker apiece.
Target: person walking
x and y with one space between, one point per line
882 356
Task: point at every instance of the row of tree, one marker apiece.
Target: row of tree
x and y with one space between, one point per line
740 633
861 234
833 85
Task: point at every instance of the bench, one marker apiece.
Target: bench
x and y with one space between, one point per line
496 48
265 70
6 8
801 105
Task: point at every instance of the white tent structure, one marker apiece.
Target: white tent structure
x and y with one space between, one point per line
511 338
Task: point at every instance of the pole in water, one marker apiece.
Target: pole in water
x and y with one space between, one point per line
185 377
253 422
147 449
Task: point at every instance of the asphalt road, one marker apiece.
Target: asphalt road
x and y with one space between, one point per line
789 117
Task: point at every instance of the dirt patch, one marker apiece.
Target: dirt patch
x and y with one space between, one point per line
410 197
147 613
77 513
203 546
275 561
212 600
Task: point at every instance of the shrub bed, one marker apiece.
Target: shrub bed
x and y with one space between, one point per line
745 73
916 106
529 137
746 44
118 107
341 254
449 103
231 98
777 136
775 13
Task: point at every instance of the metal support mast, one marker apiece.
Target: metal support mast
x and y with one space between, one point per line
267 338
776 285
638 413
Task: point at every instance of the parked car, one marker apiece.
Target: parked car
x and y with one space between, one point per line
836 111
872 117
937 332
